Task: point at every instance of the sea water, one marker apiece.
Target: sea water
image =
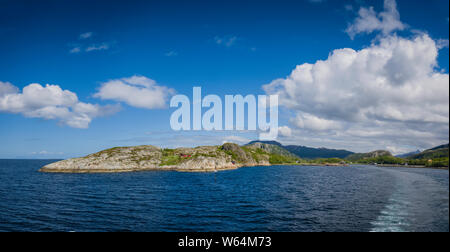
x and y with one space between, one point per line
276 198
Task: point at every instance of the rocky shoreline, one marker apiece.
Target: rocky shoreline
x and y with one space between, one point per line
68 170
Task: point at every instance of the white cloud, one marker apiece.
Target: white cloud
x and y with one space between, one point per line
235 139
171 54
76 49
86 35
285 131
227 41
395 150
369 21
136 91
314 123
97 47
85 44
51 103
389 93
7 88
442 43
44 152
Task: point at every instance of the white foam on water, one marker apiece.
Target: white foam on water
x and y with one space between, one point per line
409 207
394 218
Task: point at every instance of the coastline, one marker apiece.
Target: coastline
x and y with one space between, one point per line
47 170
413 167
177 169
200 170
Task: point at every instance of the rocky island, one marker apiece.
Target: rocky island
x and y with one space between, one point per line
200 159
232 156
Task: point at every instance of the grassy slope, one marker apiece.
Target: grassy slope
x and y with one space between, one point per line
238 154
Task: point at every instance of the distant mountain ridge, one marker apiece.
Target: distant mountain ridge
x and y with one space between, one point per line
309 152
440 151
440 147
405 155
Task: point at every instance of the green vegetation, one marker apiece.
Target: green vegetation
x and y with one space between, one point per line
169 157
389 160
256 153
437 162
172 157
281 159
383 160
264 153
236 153
436 157
362 156
109 152
435 153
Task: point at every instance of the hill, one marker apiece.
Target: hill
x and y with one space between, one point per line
266 142
370 155
271 147
434 157
309 152
406 155
441 151
199 159
313 153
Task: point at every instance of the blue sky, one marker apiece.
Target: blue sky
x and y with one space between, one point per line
226 47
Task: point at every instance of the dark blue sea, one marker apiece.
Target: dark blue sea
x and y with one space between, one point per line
277 198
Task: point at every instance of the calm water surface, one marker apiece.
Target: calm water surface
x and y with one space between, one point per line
277 198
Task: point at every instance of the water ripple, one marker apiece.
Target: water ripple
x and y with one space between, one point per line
279 198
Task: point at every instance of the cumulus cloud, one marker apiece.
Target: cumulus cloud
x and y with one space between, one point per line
52 103
381 92
312 122
285 131
7 88
369 20
136 91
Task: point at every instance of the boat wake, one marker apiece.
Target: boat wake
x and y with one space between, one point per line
410 207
